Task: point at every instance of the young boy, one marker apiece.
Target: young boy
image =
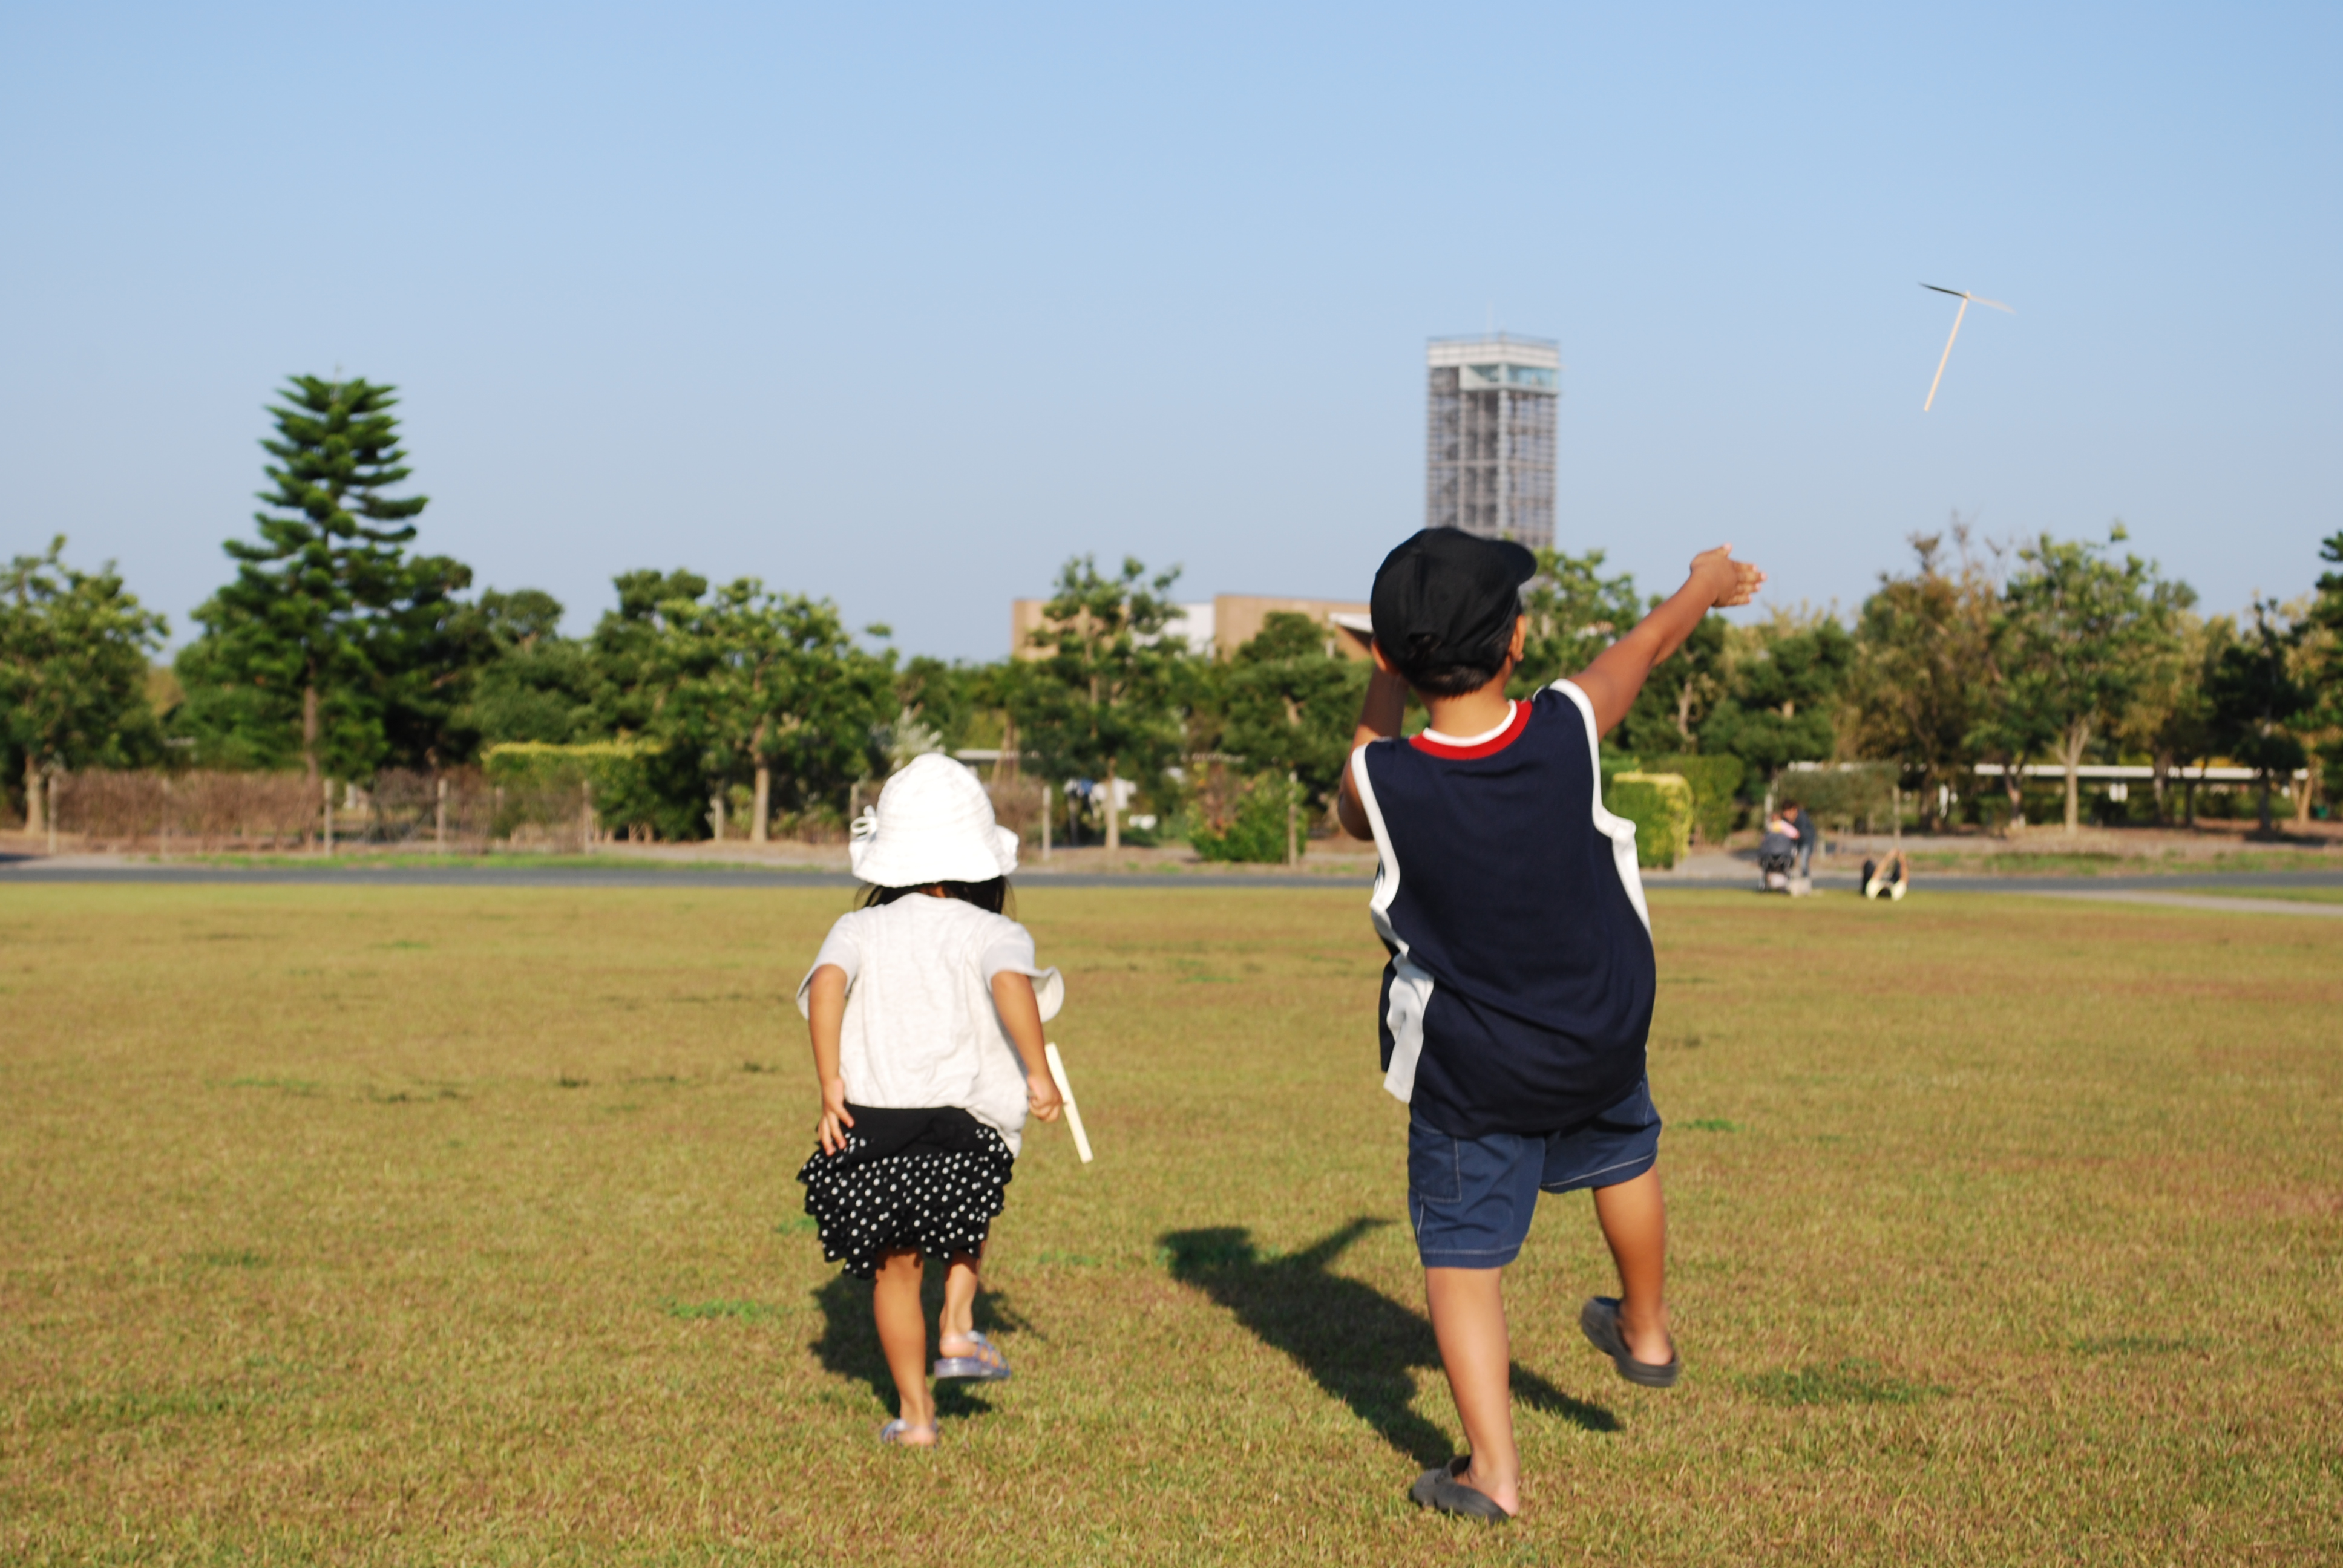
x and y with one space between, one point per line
1519 991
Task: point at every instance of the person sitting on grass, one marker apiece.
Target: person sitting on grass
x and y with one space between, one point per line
926 1020
1887 878
1516 1003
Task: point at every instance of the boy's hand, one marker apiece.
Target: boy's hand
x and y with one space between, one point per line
1041 1096
1723 580
831 1128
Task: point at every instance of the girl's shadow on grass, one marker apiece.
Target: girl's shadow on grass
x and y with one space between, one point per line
1358 1343
848 1345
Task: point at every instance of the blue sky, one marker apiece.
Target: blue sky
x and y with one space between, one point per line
905 306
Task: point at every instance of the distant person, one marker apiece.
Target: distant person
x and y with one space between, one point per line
1518 999
926 1018
1809 838
1887 878
1777 853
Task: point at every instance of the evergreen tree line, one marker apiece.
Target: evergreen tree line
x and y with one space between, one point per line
337 650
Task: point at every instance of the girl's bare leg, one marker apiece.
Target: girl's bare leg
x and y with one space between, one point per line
903 1335
1635 1223
957 1318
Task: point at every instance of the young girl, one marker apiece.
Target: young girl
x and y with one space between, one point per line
925 1012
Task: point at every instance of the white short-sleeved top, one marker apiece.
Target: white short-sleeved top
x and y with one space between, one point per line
920 1028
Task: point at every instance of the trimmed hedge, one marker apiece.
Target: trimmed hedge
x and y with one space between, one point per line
1716 779
1661 807
1255 832
541 782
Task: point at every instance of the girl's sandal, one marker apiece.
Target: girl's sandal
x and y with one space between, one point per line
896 1431
988 1365
1439 1490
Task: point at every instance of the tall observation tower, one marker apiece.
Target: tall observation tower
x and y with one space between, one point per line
1489 458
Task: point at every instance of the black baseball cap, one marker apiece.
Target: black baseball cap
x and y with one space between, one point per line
1446 596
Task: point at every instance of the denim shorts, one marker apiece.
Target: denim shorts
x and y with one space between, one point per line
1471 1199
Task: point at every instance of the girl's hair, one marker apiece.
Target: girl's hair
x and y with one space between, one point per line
989 896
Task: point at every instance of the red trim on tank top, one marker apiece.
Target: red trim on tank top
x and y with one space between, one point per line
1489 747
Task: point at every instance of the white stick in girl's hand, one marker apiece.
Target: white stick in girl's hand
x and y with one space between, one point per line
1066 1094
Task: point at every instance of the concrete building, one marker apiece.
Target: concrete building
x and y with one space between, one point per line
1489 448
1221 625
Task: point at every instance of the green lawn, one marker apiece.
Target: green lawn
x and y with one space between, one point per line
427 1225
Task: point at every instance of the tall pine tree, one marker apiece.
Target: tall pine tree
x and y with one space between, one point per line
285 654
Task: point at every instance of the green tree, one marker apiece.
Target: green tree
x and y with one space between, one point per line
1104 704
2081 629
2325 647
1290 703
286 662
1921 678
1574 613
2171 715
73 670
941 698
423 650
1784 680
2257 701
765 685
529 682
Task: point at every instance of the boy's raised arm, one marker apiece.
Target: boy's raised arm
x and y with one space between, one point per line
1383 714
1618 673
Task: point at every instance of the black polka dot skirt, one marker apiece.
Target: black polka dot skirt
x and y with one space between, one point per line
938 1204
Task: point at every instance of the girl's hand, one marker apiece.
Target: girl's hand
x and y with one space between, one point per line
831 1128
1041 1096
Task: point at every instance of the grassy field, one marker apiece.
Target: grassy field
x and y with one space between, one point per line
416 1225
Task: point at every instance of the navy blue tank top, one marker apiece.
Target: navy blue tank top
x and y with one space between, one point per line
1518 998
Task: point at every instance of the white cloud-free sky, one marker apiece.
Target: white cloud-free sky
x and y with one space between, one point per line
903 305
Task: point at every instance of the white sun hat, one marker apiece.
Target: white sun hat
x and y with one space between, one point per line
933 823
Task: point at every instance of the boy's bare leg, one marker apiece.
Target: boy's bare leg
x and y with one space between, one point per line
957 1318
903 1336
1468 1319
1635 1222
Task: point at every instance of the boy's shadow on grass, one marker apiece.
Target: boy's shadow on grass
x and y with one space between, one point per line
1359 1344
848 1345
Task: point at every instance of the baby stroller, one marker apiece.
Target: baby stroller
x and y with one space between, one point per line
1777 858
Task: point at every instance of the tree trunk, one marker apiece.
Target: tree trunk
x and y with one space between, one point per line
764 803
1113 816
2302 796
1293 785
35 820
2162 776
2191 796
2012 784
2265 811
310 727
2072 745
1045 819
325 812
716 815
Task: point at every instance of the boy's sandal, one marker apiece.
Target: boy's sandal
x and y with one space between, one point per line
897 1430
1598 1319
1440 1491
988 1365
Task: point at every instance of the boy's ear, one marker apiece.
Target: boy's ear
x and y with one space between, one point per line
1521 638
1383 659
